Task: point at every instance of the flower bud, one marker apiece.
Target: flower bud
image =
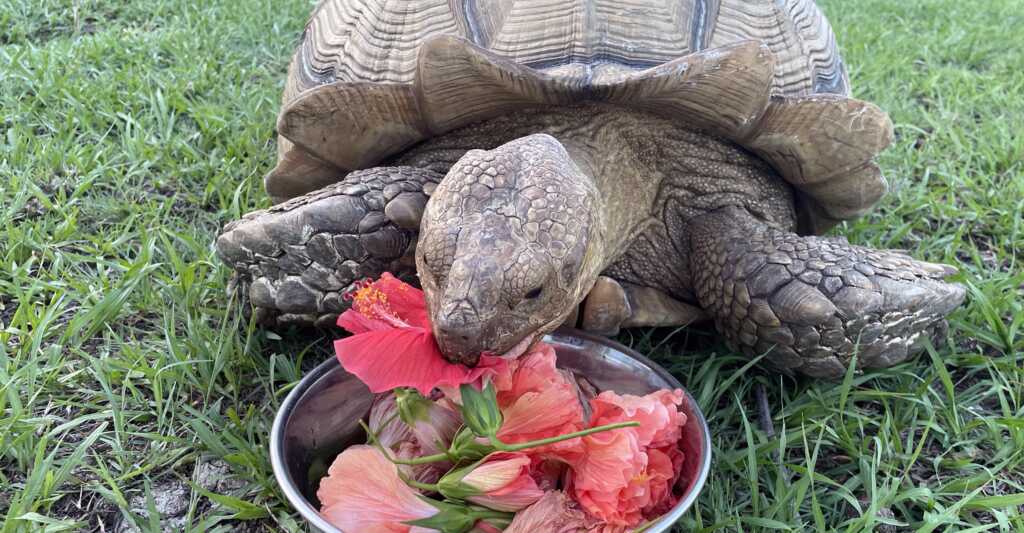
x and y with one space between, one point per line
501 481
480 409
385 423
452 518
433 425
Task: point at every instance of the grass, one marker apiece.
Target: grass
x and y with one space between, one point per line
132 131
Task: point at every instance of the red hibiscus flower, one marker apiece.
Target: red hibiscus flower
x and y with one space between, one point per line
392 344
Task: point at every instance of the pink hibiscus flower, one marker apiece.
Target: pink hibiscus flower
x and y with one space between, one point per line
537 401
392 343
362 492
625 476
607 463
661 421
554 513
501 481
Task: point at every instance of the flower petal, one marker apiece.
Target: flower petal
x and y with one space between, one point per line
660 419
662 469
532 372
436 432
611 460
405 357
497 471
539 415
553 513
362 492
428 473
355 322
504 480
484 527
517 495
407 301
384 422
537 401
490 367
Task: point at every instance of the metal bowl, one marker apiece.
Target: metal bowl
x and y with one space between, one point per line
320 418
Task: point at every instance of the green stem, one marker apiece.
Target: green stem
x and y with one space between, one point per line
371 439
429 487
551 440
482 515
426 459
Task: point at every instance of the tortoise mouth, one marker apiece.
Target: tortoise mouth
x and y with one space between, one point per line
520 347
465 351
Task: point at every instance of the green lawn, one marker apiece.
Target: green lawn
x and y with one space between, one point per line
131 392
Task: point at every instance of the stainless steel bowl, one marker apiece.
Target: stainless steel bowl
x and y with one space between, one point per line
320 418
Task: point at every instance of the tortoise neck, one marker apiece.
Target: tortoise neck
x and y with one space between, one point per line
611 145
626 196
645 167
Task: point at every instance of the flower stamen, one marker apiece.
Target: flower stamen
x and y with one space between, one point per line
371 302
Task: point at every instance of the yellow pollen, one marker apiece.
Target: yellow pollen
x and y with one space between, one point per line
372 302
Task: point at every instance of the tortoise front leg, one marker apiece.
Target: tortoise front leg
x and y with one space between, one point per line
611 305
295 260
812 302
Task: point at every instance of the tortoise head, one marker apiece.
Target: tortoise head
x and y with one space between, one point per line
509 244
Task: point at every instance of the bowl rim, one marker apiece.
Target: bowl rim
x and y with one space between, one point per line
312 516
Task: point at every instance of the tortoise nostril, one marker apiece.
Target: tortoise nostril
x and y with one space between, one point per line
452 331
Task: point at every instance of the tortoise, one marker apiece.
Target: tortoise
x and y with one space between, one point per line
597 163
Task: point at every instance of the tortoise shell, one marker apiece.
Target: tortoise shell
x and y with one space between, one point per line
373 77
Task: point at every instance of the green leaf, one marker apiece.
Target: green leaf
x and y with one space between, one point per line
52 524
995 502
243 510
766 523
451 518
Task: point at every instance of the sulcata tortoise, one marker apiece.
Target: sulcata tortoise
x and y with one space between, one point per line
603 163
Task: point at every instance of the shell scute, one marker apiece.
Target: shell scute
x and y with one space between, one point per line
372 77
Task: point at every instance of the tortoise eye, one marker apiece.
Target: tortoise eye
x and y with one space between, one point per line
534 293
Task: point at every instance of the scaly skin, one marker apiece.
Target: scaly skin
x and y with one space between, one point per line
811 303
654 173
534 206
295 260
512 240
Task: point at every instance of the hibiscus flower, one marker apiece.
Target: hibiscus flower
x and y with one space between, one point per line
554 513
537 401
500 481
362 492
661 421
392 343
626 476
